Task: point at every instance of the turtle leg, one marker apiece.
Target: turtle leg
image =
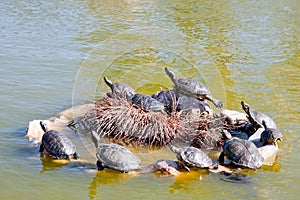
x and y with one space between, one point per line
41 148
216 102
75 156
221 158
100 165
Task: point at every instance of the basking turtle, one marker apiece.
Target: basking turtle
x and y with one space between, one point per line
147 103
165 166
256 117
56 144
240 152
186 104
119 90
192 88
168 98
270 135
114 156
193 157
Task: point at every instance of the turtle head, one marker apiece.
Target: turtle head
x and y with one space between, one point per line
170 73
95 138
270 135
108 82
245 107
227 135
44 126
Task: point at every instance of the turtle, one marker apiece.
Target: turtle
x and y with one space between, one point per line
240 152
168 98
165 166
114 156
270 135
186 104
56 144
119 90
192 88
256 117
147 103
192 157
235 177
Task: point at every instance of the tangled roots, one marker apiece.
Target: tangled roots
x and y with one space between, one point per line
121 121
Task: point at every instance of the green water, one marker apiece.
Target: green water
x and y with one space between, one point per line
54 53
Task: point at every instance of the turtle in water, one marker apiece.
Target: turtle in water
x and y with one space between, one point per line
240 152
119 90
114 156
270 135
256 117
192 88
56 144
147 103
193 157
165 166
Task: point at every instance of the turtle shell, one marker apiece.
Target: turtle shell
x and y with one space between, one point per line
242 153
192 156
117 157
58 145
185 103
257 117
119 90
147 103
168 98
192 88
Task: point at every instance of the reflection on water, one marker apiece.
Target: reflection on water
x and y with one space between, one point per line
242 50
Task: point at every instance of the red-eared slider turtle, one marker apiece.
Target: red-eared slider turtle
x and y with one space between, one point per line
165 166
147 103
186 104
193 157
168 98
119 90
256 117
114 156
57 145
270 135
192 88
240 152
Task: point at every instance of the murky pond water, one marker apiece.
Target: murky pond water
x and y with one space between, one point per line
54 54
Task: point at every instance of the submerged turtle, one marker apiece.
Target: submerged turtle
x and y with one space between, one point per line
56 144
147 103
193 157
270 135
114 156
256 117
192 88
241 152
165 166
119 90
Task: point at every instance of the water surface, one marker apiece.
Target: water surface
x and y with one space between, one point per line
54 53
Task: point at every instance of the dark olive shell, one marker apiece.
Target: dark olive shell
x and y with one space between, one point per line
58 145
119 90
192 156
147 103
117 157
242 153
